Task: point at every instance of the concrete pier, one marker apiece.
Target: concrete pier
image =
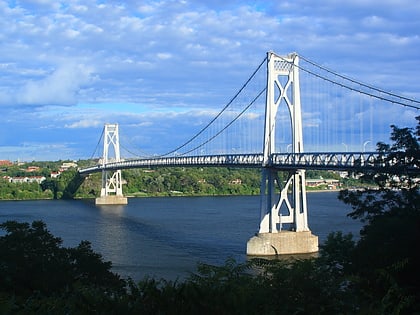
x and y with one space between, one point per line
111 200
283 242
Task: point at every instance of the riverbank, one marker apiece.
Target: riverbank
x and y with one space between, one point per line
164 194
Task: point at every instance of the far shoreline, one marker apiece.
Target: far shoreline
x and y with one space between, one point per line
170 195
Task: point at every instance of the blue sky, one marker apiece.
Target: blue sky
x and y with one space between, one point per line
68 67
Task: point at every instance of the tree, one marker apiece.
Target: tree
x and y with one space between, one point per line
386 258
33 260
51 185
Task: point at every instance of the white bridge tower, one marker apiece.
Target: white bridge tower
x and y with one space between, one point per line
111 191
284 220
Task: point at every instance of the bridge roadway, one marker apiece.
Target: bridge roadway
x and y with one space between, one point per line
282 161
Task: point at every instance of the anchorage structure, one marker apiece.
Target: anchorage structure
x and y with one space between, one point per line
278 211
111 191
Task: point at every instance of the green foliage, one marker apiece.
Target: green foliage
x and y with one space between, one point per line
33 261
386 258
226 289
336 252
71 181
51 188
39 276
23 191
192 181
316 174
142 182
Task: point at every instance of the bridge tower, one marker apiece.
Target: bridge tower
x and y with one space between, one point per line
111 191
283 221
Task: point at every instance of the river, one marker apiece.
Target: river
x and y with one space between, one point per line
167 236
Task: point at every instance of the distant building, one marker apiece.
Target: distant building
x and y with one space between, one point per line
31 169
55 174
5 163
330 183
26 179
343 174
18 179
67 165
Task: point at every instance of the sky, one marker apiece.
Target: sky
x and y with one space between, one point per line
69 67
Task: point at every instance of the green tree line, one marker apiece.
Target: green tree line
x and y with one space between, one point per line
140 182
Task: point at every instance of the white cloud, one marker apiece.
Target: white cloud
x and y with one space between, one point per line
164 56
59 88
85 123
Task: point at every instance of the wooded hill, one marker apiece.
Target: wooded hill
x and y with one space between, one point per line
141 182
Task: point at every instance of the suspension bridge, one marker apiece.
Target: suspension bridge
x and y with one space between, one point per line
287 100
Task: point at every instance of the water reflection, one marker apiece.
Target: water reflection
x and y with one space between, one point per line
112 209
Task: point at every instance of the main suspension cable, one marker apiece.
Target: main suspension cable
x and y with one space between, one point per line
220 113
145 154
97 145
360 84
228 125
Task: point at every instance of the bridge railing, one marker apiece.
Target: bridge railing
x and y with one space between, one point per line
244 160
282 161
330 161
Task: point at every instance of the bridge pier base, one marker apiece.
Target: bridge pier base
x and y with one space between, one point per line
282 243
111 200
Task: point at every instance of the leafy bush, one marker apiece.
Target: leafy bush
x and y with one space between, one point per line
33 260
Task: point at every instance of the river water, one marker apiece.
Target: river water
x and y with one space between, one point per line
166 236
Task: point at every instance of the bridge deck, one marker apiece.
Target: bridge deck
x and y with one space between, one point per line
280 161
